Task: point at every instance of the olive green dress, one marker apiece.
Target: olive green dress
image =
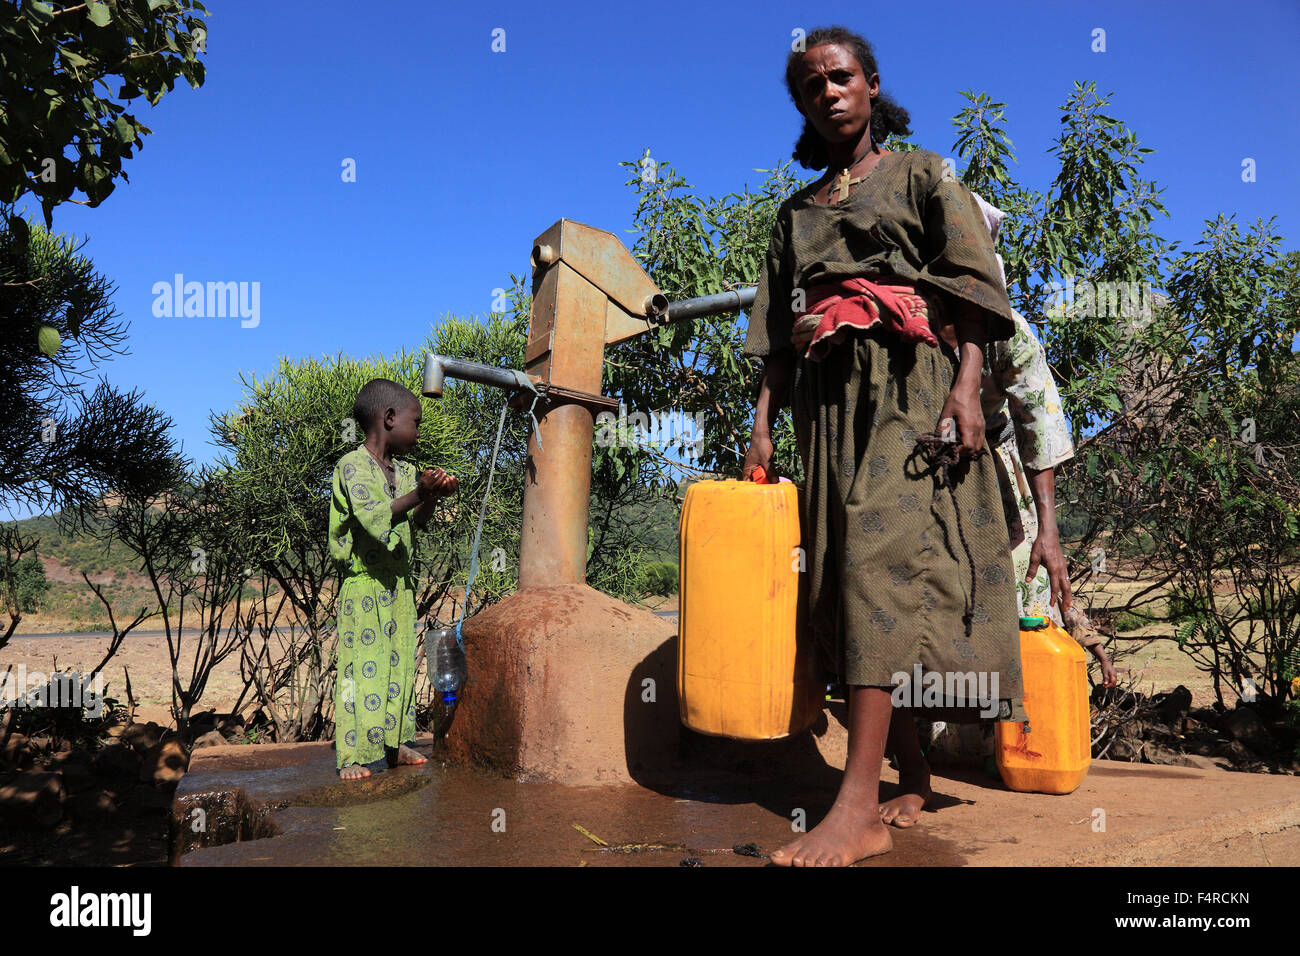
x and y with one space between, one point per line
374 699
890 583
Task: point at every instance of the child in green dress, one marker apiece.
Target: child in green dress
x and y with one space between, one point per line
370 536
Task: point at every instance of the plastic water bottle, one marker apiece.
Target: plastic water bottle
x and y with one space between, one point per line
446 664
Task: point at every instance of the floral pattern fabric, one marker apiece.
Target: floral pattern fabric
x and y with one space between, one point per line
374 699
1019 385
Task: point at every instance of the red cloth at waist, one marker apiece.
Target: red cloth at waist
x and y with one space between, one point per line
862 304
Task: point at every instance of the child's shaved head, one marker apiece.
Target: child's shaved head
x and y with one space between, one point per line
376 397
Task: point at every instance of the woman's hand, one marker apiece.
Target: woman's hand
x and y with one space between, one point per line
963 404
805 327
1047 552
760 453
963 409
772 394
1108 676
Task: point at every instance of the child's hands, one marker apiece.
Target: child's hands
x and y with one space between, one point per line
428 484
436 483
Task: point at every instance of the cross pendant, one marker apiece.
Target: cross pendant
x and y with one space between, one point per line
843 185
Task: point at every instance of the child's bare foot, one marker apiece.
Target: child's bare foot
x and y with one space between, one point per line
843 838
904 810
405 755
354 771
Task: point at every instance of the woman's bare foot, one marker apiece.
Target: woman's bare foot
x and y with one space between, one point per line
913 773
405 755
904 810
354 771
852 831
843 838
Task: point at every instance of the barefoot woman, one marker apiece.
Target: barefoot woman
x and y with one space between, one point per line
879 293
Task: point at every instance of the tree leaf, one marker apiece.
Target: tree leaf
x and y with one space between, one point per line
99 13
73 58
40 11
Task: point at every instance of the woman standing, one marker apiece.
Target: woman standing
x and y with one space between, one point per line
878 296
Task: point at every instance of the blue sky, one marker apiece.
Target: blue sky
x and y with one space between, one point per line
464 155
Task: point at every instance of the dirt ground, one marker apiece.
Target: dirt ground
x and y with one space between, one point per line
46 643
142 657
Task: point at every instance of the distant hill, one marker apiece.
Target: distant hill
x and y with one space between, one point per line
67 554
70 605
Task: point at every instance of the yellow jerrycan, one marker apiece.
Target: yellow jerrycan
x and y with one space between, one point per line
1050 752
744 668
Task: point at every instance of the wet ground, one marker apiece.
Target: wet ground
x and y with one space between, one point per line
457 816
441 815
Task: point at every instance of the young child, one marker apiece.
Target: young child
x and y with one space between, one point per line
370 537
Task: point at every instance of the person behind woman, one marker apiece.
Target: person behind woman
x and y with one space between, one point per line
1032 442
1031 438
879 292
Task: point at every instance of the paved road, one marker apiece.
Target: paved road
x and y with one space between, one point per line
104 634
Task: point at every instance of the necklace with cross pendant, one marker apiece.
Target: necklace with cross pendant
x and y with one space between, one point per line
842 186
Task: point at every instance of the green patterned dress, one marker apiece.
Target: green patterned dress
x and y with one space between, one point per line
889 581
374 698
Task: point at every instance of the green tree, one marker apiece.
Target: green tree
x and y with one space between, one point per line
692 247
1215 478
280 447
61 449
64 448
55 93
22 587
1159 387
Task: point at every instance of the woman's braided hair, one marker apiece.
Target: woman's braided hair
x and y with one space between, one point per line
886 116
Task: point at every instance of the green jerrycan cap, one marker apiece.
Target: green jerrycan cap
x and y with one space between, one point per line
1033 623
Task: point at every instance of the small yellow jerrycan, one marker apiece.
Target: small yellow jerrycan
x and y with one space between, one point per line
1050 752
744 668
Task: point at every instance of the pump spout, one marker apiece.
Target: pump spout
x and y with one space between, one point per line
433 376
438 368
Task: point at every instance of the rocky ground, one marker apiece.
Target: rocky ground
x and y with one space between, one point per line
103 802
1165 729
